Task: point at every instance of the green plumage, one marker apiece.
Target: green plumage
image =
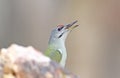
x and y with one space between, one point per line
54 54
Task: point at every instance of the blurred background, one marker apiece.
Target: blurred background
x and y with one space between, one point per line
93 48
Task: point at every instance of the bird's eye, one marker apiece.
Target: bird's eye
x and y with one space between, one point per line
60 28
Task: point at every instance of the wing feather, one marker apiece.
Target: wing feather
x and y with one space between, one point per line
55 55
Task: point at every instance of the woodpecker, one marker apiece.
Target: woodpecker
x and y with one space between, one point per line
56 46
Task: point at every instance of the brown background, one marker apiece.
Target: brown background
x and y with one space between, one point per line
93 48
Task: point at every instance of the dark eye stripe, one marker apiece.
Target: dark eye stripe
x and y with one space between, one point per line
60 35
60 28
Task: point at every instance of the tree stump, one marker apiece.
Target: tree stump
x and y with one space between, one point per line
26 62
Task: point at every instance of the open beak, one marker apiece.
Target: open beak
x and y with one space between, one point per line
72 26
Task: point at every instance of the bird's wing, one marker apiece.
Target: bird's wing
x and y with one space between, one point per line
56 56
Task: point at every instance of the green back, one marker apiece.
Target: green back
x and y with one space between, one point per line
55 55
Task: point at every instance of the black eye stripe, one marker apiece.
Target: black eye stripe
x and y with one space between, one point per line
60 28
60 35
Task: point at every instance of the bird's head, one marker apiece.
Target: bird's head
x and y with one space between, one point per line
61 31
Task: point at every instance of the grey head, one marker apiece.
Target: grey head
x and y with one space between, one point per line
61 31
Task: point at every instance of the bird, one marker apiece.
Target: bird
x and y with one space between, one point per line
56 49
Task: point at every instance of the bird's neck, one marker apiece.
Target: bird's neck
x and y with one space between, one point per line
57 42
